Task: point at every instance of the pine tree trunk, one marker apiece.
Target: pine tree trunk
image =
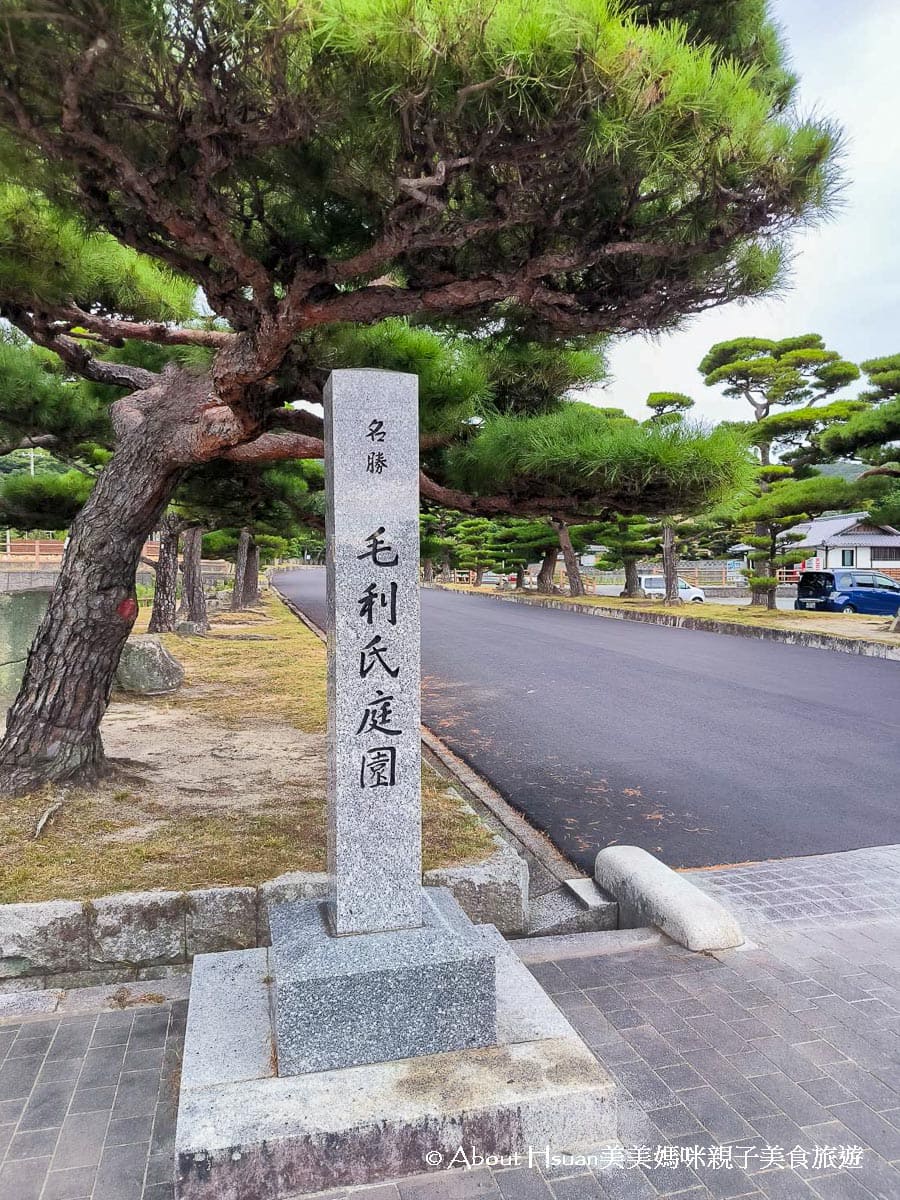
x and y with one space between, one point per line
576 583
240 570
763 596
162 618
547 571
193 597
428 571
520 579
447 568
479 572
632 580
53 726
251 577
670 565
760 596
772 571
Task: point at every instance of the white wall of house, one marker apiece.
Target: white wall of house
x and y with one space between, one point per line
876 557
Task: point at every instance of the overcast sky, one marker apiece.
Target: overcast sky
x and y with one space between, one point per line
844 279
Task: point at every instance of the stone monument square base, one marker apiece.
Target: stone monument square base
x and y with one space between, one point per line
374 997
244 1130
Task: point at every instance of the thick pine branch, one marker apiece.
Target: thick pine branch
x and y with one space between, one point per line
116 330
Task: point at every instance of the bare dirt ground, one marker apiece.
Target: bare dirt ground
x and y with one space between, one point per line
182 758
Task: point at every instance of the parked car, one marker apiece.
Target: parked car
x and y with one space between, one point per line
654 588
848 591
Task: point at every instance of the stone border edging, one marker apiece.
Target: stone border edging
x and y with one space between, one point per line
813 641
133 931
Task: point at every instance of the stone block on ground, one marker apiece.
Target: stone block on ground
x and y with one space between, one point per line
493 892
190 629
42 938
563 910
284 889
221 918
650 893
147 668
137 927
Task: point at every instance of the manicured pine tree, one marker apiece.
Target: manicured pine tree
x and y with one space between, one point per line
628 541
476 550
434 545
786 502
770 374
681 175
520 541
871 435
669 408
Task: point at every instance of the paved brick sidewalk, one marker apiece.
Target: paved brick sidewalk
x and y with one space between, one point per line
851 887
87 1105
791 1044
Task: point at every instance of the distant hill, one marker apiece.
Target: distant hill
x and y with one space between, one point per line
841 470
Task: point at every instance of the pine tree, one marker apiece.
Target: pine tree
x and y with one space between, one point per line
298 199
769 374
628 540
520 541
786 502
776 374
475 547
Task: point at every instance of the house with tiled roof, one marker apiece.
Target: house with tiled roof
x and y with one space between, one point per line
848 540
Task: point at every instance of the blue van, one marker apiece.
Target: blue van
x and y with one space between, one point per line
849 591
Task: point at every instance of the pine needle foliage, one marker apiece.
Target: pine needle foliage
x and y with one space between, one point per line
609 463
43 501
242 143
51 258
37 398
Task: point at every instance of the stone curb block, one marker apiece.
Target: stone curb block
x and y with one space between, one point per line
136 927
813 641
159 928
39 938
650 893
493 892
218 919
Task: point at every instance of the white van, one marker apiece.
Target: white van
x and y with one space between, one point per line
654 588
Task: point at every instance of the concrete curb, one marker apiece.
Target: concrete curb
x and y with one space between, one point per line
102 939
814 641
650 893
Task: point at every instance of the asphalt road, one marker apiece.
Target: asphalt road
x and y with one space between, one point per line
702 748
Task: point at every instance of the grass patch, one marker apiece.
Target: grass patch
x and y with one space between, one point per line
119 837
102 842
235 679
853 625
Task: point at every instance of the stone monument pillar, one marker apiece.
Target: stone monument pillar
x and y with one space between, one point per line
372 568
384 970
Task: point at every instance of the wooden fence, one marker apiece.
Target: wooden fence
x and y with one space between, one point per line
27 553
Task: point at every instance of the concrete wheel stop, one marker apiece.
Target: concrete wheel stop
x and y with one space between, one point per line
382 1030
650 893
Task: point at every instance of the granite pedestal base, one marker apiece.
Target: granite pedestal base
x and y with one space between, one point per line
368 998
245 1131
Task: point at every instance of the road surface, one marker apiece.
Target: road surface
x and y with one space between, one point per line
702 748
